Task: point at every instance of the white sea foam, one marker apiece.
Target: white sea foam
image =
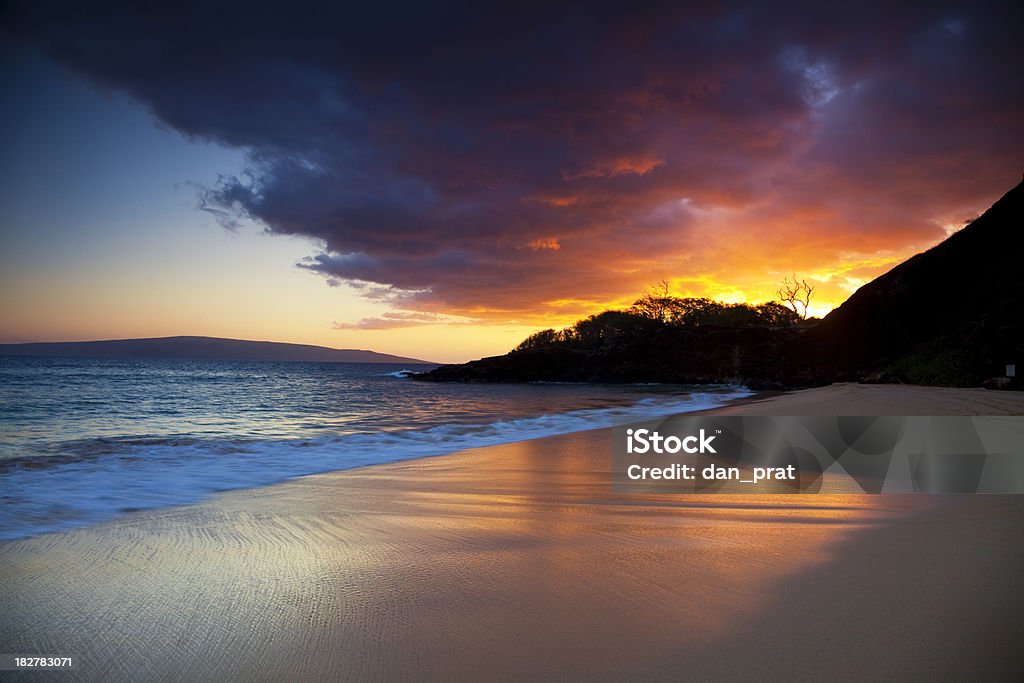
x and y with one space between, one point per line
106 477
401 374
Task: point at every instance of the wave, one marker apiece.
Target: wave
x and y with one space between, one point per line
92 480
401 374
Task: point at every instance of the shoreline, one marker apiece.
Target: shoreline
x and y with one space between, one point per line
853 398
61 501
856 398
518 561
829 400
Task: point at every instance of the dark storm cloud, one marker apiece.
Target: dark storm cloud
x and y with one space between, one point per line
468 158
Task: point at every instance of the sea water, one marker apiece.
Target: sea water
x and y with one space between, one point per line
83 440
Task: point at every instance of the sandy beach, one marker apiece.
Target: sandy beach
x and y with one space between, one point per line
519 562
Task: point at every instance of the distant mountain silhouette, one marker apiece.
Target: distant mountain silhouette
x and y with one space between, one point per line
953 315
201 348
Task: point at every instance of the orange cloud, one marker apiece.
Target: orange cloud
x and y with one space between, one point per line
635 165
554 200
548 243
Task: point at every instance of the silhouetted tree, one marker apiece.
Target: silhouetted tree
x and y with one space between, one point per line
657 308
656 303
699 311
539 340
774 313
606 328
796 294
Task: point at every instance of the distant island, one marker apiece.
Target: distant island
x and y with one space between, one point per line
203 348
950 316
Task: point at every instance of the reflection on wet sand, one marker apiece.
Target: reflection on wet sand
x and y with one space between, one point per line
513 561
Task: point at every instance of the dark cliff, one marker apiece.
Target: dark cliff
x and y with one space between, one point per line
950 315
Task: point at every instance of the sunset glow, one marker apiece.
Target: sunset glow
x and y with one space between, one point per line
466 178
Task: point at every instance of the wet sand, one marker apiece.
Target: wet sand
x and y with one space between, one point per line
519 562
881 399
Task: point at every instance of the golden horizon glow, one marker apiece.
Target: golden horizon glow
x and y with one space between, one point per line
107 306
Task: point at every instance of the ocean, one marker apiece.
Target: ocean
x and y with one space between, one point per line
84 440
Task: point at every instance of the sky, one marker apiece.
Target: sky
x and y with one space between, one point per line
439 180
